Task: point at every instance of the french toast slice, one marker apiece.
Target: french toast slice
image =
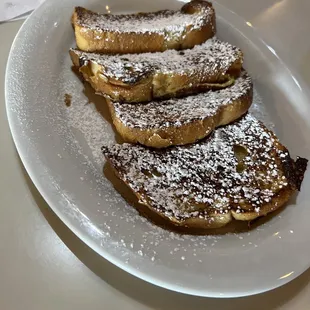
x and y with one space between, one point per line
184 120
158 31
240 172
144 77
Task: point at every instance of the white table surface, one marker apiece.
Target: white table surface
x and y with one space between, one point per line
44 266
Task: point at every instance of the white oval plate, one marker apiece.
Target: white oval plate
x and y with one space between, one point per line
60 148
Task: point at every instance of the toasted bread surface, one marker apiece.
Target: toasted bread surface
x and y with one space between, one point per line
144 32
184 120
144 77
240 172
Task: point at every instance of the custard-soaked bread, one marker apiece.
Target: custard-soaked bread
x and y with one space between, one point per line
144 32
143 77
184 120
241 171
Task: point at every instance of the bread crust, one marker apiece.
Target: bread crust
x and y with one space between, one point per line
145 77
113 40
214 221
280 177
180 133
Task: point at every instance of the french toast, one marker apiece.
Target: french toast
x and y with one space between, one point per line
193 24
184 120
144 77
239 172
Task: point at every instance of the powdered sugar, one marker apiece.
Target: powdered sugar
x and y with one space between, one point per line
210 59
258 109
178 112
87 123
202 180
163 22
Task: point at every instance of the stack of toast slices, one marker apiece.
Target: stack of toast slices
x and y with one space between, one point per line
179 97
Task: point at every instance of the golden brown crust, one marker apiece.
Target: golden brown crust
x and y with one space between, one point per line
188 132
214 220
202 226
93 38
191 224
185 134
198 187
145 77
